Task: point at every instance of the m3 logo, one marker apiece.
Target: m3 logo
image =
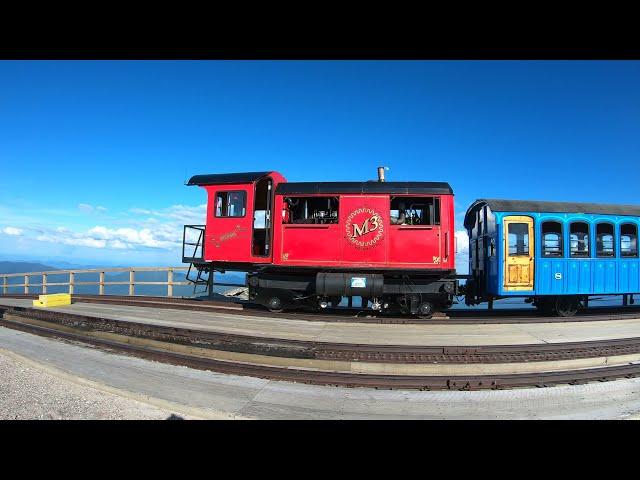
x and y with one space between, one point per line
369 225
360 224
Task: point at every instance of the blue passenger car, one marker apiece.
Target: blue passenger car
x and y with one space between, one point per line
554 254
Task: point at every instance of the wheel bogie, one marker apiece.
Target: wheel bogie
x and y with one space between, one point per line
561 305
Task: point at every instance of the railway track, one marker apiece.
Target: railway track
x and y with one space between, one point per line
380 366
452 317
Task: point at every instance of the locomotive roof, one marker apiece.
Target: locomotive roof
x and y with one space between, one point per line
226 178
553 207
437 188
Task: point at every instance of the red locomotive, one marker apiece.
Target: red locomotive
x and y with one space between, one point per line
312 243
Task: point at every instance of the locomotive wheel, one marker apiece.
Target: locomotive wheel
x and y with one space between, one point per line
566 306
425 310
275 305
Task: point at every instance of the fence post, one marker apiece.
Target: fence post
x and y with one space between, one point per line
132 279
170 282
44 283
26 284
101 289
72 277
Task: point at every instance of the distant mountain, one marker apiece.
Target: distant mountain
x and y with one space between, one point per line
24 267
77 266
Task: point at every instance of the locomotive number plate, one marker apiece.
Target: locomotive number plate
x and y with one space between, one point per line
358 282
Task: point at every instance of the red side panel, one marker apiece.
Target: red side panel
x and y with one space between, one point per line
309 245
365 229
364 238
228 239
425 245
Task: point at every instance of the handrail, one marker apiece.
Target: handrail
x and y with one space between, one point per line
71 283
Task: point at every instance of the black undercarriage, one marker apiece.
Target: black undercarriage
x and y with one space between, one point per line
398 293
410 292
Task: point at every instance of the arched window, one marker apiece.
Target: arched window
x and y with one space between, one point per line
552 239
579 239
629 240
605 240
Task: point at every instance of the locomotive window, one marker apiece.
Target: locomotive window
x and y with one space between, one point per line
629 240
415 211
231 204
604 240
579 239
518 239
551 239
310 210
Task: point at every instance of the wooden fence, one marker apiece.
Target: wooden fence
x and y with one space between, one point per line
71 283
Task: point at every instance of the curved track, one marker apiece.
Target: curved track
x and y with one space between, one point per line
451 317
346 364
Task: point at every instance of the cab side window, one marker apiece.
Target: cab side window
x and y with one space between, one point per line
414 211
231 204
310 210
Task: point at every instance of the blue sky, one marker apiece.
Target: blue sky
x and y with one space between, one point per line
93 154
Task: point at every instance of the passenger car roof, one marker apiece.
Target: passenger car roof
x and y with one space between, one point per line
433 188
226 178
535 206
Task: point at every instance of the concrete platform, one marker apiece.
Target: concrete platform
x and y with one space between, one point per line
201 394
373 334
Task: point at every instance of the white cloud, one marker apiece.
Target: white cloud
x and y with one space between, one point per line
140 211
164 236
86 208
181 213
141 232
76 240
463 241
462 252
12 231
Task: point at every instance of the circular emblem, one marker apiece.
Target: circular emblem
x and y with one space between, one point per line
364 227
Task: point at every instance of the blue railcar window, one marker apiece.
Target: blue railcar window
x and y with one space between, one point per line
605 240
518 239
231 204
579 239
552 239
629 240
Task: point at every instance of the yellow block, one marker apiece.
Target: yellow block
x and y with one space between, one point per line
53 300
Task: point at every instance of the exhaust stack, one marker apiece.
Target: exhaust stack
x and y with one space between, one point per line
381 174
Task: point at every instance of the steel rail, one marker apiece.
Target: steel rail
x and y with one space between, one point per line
454 317
345 379
317 350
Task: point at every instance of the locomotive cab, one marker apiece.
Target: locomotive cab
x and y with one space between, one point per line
238 232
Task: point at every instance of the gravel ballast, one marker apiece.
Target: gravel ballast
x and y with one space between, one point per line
28 393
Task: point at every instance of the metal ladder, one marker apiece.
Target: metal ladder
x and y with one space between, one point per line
203 277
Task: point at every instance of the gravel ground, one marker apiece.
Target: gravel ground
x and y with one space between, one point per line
27 393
